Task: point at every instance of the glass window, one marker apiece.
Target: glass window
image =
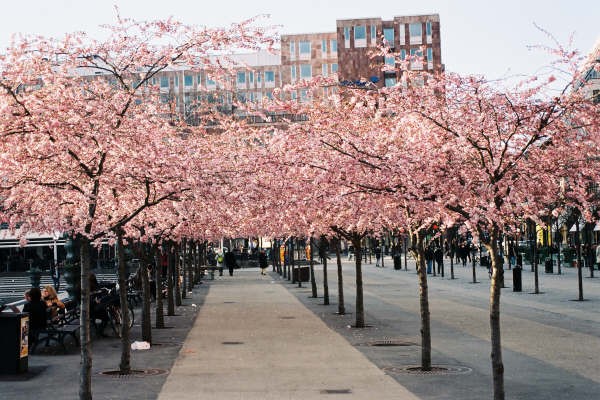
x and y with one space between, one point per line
304 47
176 81
428 28
293 71
333 46
416 31
188 80
210 82
324 69
153 81
269 76
388 34
390 61
258 77
164 81
324 46
360 32
269 95
241 78
429 54
251 77
402 34
373 34
347 37
305 71
360 36
334 68
241 97
292 49
293 94
403 54
303 95
389 82
416 58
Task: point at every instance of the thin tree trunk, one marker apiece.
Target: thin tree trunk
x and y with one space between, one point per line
579 262
424 304
536 277
146 322
85 376
190 267
177 276
474 270
160 313
184 275
323 254
340 276
125 364
170 283
313 281
497 364
360 310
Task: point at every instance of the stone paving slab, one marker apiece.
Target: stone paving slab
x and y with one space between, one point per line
252 339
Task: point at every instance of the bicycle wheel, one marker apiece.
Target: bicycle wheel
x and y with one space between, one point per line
115 317
131 316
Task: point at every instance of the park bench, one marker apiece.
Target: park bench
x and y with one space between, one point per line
58 329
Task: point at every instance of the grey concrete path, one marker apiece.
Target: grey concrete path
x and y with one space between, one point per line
253 339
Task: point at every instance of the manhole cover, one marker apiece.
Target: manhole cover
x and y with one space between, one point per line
435 370
287 317
336 391
388 343
231 343
229 302
134 373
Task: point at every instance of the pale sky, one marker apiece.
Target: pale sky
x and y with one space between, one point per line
480 37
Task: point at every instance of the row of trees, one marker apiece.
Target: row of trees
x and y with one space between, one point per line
97 157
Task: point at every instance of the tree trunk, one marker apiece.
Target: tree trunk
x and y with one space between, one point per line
579 262
160 313
146 322
497 364
188 259
170 283
474 268
360 310
323 254
536 277
125 365
177 276
85 376
341 305
313 281
424 304
184 275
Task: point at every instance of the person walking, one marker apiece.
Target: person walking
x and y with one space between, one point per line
377 256
263 262
55 274
230 262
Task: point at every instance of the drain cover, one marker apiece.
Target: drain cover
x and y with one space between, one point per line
134 373
287 317
435 370
231 343
388 343
336 391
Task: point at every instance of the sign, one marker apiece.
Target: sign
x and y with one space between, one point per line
24 336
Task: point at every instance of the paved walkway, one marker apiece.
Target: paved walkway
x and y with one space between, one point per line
245 345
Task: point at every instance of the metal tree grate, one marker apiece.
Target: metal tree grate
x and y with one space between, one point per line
135 373
388 343
336 391
435 370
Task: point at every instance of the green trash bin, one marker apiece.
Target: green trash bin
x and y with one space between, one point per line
14 342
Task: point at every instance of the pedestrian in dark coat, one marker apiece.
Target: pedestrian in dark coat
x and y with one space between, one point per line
230 262
263 262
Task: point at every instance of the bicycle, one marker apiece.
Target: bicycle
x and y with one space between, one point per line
115 317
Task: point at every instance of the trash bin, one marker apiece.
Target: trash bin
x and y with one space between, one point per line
549 267
14 343
397 261
301 274
517 287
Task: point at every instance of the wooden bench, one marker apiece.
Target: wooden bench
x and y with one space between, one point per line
58 329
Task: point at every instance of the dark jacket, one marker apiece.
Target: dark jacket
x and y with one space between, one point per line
230 260
37 314
262 260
